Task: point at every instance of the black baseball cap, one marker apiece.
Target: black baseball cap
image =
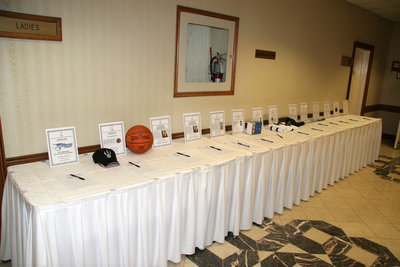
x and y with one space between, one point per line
105 157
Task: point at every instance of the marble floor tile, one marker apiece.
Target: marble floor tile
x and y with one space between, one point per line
317 235
313 202
318 213
295 213
255 233
357 229
223 250
332 202
345 215
393 245
374 219
384 230
361 255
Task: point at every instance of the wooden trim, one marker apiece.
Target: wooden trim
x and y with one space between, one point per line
371 108
388 108
389 136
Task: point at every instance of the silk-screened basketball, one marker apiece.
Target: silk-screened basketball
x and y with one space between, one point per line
139 139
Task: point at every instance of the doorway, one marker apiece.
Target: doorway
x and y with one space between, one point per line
360 72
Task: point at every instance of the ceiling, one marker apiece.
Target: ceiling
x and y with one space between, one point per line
388 9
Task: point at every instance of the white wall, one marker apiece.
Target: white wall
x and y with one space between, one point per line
116 62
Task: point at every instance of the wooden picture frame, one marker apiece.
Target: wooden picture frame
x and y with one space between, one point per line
189 18
28 26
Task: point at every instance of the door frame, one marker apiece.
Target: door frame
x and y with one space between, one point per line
371 49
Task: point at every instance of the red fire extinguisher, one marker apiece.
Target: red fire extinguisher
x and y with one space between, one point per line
215 68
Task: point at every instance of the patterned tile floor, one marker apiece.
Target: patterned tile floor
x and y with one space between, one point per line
356 222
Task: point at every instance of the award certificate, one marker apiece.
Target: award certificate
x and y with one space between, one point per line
303 112
112 135
315 111
257 114
237 121
217 123
192 126
293 111
161 129
327 109
272 114
62 146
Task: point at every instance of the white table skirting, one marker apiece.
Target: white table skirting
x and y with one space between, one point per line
128 216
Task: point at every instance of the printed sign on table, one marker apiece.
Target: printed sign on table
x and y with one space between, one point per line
335 108
273 114
217 123
161 129
315 111
293 111
345 107
257 114
327 109
238 121
112 135
303 112
62 146
192 126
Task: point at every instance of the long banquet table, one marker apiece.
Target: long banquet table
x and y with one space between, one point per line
129 216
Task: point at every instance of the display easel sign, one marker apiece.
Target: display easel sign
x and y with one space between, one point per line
62 146
273 114
345 107
257 114
238 121
112 135
161 129
293 111
217 123
192 126
335 108
303 112
315 111
327 109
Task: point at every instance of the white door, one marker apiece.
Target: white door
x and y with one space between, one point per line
358 79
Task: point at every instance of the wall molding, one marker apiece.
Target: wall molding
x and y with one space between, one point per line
383 107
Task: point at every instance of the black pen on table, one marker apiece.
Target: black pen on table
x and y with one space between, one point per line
219 149
303 133
134 164
182 154
242 144
279 135
76 176
267 140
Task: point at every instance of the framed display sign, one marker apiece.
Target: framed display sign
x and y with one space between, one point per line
335 108
345 107
293 111
27 26
303 112
238 121
315 111
327 109
257 114
217 123
112 135
192 126
161 129
62 146
272 114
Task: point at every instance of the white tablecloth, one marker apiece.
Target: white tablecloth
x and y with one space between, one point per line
129 216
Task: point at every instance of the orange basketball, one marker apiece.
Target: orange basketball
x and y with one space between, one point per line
139 139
